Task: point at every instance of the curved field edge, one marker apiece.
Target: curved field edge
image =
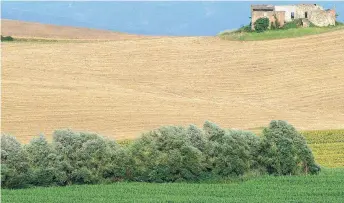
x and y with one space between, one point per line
325 187
62 40
122 88
24 29
277 34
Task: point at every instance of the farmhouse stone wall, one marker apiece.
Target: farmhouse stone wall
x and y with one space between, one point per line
301 10
268 14
323 18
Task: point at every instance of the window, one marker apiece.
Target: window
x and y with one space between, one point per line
292 15
306 14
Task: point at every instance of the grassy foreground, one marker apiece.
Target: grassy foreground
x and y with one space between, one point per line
326 187
277 34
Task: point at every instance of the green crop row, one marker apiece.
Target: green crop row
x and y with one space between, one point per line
324 136
326 187
329 154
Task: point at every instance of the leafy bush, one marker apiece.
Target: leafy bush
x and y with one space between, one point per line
212 131
6 38
246 28
284 151
293 24
261 24
167 154
242 29
45 163
230 154
14 163
89 158
275 25
338 23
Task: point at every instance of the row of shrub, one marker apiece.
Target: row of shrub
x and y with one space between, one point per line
6 38
263 24
167 154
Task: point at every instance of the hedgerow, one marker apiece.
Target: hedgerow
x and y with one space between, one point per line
14 163
166 154
6 38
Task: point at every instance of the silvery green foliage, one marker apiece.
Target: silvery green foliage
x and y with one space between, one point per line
45 163
14 163
167 155
230 152
213 131
88 157
253 142
197 138
284 151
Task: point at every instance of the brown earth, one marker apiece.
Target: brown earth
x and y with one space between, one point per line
20 29
122 88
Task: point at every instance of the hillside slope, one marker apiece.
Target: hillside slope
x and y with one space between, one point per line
122 88
23 29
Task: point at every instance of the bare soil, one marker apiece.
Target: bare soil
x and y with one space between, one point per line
124 87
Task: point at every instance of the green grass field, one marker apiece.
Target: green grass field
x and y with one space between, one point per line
326 187
327 146
277 34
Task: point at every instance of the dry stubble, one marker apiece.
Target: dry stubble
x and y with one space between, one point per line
122 88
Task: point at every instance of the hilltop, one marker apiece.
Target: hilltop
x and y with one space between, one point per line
124 87
21 29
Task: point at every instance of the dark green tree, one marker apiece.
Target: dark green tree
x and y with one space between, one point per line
261 24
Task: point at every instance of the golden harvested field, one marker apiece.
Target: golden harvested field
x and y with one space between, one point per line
122 88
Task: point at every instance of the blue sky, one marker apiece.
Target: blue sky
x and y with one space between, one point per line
150 18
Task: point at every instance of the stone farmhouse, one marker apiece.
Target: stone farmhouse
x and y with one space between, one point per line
313 13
